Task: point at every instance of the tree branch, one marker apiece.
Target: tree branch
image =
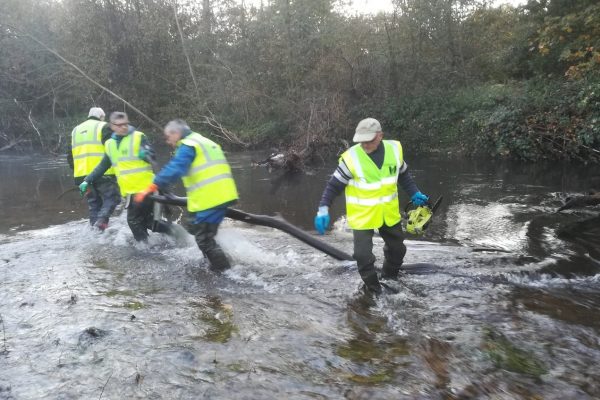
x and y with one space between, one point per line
86 76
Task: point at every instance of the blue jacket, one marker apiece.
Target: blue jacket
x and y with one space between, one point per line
178 167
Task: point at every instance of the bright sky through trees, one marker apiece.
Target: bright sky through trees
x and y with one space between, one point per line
375 6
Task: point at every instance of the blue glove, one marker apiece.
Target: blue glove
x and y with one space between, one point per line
419 199
83 188
322 220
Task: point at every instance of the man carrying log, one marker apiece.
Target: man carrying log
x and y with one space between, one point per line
370 173
84 154
208 182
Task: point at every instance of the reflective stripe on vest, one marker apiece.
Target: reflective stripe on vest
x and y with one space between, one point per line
371 202
87 148
133 174
372 193
208 182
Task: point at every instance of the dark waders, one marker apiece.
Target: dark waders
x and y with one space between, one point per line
393 251
205 233
102 199
140 218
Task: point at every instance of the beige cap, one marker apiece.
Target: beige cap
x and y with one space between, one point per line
366 130
96 112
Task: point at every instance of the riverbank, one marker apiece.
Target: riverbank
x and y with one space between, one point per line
527 120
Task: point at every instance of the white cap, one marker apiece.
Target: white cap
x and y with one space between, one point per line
366 130
96 112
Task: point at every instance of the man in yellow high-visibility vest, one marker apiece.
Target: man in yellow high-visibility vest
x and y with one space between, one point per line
208 182
83 155
129 153
369 173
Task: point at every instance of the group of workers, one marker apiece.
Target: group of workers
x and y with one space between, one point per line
114 160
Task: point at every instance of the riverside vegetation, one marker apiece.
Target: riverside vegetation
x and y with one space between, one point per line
443 75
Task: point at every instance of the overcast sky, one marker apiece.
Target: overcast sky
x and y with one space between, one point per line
374 6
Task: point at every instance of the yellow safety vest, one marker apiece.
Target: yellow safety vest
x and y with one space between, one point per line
87 148
133 174
208 182
372 193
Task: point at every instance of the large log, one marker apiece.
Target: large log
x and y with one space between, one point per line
290 161
265 220
581 201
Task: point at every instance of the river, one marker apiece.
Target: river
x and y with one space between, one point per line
499 300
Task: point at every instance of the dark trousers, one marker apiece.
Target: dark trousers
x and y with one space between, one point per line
102 199
140 218
205 233
393 251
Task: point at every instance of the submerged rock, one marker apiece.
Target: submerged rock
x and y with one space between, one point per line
91 335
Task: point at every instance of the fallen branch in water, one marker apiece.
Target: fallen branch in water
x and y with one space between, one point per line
106 383
290 161
581 201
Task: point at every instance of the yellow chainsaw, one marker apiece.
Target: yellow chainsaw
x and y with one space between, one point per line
418 219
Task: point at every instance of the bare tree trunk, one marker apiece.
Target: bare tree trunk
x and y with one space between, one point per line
207 18
185 53
288 29
393 62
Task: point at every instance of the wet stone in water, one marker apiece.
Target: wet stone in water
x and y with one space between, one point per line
187 356
90 335
506 355
72 300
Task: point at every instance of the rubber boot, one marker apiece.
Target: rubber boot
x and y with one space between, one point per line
217 258
372 284
165 227
389 271
204 234
394 250
101 224
139 218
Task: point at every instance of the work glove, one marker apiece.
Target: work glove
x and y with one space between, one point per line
83 188
322 220
141 196
419 199
142 155
146 154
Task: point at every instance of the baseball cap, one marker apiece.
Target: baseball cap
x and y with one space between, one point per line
96 112
366 130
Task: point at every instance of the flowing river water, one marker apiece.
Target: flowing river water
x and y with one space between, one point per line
499 300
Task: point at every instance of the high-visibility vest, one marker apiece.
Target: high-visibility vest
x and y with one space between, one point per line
372 193
208 182
87 147
133 174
